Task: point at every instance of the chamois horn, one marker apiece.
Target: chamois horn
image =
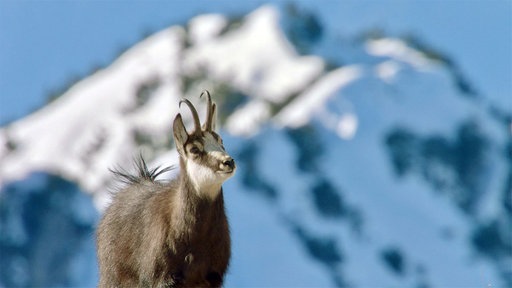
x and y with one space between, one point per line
209 111
197 124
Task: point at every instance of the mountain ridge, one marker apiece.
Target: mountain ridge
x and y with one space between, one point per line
331 152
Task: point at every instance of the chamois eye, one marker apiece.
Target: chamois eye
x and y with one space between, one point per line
195 150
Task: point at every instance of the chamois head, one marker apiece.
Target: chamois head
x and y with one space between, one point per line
202 154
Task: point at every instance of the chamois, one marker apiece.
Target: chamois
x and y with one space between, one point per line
174 233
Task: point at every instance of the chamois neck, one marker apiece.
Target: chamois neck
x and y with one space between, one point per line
191 207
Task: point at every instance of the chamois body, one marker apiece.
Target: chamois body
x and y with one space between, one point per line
170 234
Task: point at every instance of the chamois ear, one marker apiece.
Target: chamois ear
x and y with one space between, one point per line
180 134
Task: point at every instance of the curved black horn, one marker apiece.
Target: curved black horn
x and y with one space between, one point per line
214 122
197 124
209 111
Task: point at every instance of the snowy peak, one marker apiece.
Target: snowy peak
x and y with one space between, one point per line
255 58
139 91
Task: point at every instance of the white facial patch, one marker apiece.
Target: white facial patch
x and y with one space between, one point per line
203 177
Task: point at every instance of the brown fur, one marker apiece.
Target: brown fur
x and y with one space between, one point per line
157 234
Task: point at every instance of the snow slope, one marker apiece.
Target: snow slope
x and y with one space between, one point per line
380 172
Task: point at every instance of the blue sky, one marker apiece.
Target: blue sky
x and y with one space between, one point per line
45 45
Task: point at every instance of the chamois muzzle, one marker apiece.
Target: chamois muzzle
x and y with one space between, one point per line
229 163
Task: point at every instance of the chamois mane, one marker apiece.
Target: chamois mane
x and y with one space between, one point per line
142 172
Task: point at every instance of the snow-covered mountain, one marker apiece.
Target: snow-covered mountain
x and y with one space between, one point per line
363 162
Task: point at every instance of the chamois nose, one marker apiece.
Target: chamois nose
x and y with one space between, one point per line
229 162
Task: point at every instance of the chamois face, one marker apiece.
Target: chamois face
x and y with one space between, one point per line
205 160
207 163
